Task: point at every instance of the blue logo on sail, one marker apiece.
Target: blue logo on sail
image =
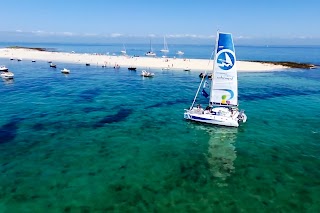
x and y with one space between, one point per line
225 59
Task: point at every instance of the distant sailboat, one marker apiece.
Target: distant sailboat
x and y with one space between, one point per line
124 51
223 97
165 46
150 52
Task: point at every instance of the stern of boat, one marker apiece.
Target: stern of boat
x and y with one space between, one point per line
242 117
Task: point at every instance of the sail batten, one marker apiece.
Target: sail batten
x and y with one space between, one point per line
224 88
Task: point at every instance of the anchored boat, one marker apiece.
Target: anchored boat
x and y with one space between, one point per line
223 96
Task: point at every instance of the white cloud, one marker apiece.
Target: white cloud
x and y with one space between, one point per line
115 35
191 36
242 37
89 34
67 34
45 35
152 35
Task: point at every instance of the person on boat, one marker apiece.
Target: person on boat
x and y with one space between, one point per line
202 75
207 110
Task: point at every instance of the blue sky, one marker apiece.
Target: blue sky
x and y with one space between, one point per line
187 21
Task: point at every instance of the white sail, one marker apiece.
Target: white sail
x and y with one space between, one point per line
224 87
150 53
165 46
124 51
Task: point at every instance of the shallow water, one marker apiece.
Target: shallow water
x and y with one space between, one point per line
105 140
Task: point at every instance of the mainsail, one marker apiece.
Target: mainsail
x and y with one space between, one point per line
224 86
165 46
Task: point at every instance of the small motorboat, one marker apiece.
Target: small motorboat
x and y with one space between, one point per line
19 59
7 75
11 59
144 73
180 53
165 68
87 64
3 68
53 65
132 68
150 53
65 71
49 62
187 69
33 61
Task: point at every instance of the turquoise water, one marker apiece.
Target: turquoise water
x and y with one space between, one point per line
104 140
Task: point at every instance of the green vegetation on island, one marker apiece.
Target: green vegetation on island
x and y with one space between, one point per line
289 64
31 48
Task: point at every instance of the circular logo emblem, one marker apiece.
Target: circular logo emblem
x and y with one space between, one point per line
225 59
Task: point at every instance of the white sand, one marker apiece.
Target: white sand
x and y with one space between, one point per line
126 61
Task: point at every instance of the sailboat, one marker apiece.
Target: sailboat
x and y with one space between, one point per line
150 52
165 46
223 98
124 51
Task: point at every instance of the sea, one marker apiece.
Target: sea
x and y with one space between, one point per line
110 140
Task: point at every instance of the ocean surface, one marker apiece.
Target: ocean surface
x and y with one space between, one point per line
105 140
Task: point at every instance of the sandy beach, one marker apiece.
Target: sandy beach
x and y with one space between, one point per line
128 61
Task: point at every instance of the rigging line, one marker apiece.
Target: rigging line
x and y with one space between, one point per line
203 77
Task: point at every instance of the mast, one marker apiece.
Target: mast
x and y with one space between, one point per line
150 46
213 64
164 43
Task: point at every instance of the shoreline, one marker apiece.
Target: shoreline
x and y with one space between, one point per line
201 65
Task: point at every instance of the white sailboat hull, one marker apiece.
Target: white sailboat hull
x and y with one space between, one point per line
218 116
7 75
212 119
